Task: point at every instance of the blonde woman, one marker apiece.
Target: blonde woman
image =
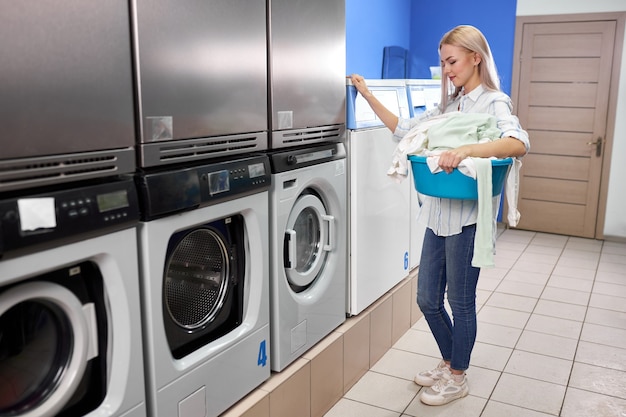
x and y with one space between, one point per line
469 71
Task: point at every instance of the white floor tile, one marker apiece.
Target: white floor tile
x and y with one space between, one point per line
482 381
497 335
417 341
573 272
605 288
554 326
607 302
503 317
350 408
540 258
609 318
519 288
403 364
546 239
565 296
561 310
611 277
490 356
582 263
576 284
601 355
498 409
529 393
534 278
580 403
469 406
600 380
604 335
514 302
544 368
383 391
547 344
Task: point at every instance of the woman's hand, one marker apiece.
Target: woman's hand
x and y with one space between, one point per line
359 82
450 159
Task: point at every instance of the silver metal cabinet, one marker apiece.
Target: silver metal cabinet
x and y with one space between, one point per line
307 71
66 96
202 78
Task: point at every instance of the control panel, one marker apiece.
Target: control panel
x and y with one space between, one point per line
67 213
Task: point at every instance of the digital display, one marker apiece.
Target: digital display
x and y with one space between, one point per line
256 170
219 182
112 201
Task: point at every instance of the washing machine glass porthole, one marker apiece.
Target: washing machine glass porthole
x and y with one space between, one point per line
196 279
306 242
33 354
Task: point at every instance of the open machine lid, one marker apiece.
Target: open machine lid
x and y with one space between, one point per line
391 93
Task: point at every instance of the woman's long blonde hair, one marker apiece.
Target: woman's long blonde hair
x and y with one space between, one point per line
471 39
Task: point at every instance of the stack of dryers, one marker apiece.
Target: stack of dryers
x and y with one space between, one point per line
202 83
379 207
70 328
308 217
423 95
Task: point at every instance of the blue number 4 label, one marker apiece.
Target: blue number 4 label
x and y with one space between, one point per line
262 358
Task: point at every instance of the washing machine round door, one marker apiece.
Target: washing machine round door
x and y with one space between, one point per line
309 236
197 279
43 348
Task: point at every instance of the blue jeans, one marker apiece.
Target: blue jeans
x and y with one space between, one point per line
447 262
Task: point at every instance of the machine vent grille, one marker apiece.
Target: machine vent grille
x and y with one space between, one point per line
208 148
41 171
187 150
286 138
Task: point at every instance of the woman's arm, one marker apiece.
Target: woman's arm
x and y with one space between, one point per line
385 115
501 148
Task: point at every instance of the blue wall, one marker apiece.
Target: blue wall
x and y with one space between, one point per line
370 26
418 25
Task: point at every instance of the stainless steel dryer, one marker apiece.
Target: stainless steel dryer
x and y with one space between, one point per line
205 286
70 332
202 79
308 235
66 97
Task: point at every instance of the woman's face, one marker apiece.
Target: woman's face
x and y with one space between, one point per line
460 66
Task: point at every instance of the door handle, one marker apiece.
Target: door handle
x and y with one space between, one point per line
598 145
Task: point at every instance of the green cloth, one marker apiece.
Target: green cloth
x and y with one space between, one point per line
462 129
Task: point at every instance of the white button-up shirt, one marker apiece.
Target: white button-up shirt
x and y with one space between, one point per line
447 217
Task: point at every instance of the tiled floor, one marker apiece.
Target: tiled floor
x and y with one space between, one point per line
551 339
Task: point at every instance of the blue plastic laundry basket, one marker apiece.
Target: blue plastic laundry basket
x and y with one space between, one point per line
455 185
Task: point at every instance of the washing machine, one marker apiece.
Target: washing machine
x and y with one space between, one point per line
70 330
308 235
379 207
203 240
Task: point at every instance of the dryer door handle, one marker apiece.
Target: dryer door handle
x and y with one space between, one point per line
331 232
291 249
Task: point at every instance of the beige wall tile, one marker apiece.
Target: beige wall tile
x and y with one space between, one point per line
290 390
401 313
380 327
356 348
326 373
256 404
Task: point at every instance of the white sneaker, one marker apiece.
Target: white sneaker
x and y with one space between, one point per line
429 378
445 390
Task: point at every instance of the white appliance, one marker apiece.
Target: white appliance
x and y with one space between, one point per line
379 207
308 236
423 95
203 243
70 330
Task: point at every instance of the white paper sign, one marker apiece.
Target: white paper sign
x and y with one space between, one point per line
36 213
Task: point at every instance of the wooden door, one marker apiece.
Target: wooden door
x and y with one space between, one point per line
562 101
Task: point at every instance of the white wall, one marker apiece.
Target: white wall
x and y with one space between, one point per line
615 221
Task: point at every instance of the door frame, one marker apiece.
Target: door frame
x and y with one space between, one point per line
618 47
